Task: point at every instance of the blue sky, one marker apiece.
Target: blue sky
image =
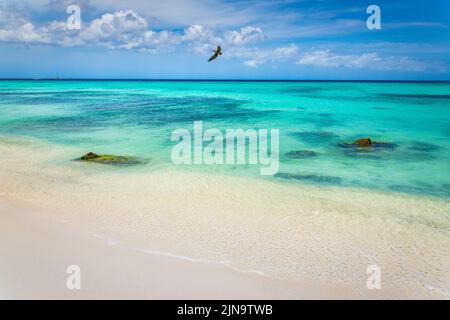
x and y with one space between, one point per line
261 39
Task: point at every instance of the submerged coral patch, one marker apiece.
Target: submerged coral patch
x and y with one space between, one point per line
301 154
309 177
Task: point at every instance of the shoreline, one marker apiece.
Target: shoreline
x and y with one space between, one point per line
289 233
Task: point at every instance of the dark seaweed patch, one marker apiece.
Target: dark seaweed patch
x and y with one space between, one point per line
362 154
313 91
141 111
302 90
310 177
416 96
315 137
301 154
424 147
416 156
322 120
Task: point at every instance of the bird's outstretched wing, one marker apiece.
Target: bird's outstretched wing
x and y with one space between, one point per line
217 53
214 56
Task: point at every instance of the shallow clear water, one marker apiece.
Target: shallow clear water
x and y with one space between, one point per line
137 118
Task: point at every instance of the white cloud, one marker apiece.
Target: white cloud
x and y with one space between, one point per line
17 29
127 30
195 32
245 35
122 29
119 30
201 39
256 56
327 59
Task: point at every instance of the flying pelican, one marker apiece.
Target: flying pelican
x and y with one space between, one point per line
217 52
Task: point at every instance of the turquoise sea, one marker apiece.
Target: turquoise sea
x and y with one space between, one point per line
137 118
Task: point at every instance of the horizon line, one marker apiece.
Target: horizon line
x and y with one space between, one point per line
214 80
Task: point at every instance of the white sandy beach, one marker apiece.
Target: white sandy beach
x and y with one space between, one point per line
177 234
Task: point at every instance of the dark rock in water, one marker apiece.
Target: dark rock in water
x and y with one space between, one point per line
424 147
89 156
301 154
309 177
111 159
366 144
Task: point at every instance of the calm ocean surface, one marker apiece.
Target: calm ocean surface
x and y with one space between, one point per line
137 118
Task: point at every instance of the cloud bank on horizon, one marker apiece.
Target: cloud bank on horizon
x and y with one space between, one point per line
304 39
